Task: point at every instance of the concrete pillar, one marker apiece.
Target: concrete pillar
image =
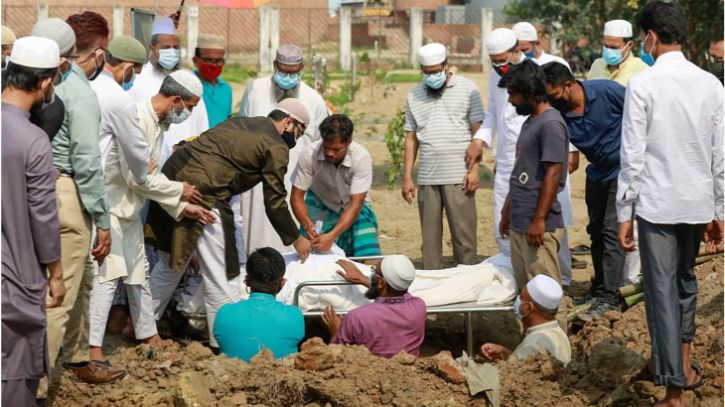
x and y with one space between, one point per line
118 20
486 28
416 34
345 37
192 31
265 59
273 32
42 12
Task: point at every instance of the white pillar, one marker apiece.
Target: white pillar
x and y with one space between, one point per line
118 20
192 31
486 28
345 37
273 32
416 34
265 60
42 12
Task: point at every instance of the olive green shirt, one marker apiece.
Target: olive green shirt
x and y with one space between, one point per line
75 147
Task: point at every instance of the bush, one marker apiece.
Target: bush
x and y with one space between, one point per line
395 140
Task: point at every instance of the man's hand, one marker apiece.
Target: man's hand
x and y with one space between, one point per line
153 164
351 273
103 244
714 236
535 234
626 236
323 242
56 286
470 182
331 320
492 351
190 194
200 214
302 247
310 229
474 152
408 191
573 161
194 263
503 226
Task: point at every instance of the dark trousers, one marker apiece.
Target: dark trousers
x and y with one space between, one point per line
20 393
607 255
668 255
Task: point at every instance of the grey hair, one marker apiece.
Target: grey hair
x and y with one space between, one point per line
170 87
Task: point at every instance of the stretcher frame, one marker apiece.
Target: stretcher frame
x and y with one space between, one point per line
465 308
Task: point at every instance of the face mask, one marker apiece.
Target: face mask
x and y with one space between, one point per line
502 69
128 84
286 81
517 306
289 139
612 56
646 57
531 54
436 80
209 71
559 103
525 109
98 70
177 117
168 58
716 68
65 76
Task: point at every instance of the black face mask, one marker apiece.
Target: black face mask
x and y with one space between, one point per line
559 104
289 139
716 68
525 109
97 72
501 70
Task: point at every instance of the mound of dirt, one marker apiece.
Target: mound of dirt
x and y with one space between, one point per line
608 367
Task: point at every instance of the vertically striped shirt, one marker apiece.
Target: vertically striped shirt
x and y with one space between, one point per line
443 128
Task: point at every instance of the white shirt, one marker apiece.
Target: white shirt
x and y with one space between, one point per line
546 58
146 85
545 337
112 99
334 184
672 145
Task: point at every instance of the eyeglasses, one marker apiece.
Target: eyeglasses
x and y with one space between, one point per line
301 126
212 61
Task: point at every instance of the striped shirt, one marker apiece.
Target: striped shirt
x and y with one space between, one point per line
443 128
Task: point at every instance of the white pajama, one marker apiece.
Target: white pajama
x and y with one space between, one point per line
218 290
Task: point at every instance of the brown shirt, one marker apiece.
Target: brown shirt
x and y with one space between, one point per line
224 161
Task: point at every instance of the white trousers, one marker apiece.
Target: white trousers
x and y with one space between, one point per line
218 290
139 302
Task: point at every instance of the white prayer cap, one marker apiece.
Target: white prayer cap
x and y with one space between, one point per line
58 31
209 41
8 36
189 81
525 31
398 271
296 109
500 40
618 28
545 291
163 26
289 54
35 52
432 54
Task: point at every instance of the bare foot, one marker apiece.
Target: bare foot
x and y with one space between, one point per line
673 398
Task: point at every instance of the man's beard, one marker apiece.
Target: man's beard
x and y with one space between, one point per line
435 93
373 292
165 123
525 109
282 94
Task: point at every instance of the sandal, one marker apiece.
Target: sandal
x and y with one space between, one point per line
581 249
700 377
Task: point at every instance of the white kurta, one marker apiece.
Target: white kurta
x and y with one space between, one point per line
259 100
146 85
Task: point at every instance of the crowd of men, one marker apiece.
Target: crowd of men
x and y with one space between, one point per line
135 170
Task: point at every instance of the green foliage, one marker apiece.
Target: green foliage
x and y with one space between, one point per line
571 19
235 73
395 140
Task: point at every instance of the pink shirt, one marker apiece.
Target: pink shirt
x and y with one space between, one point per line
386 327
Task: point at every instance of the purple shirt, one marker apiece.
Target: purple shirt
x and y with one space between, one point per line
386 327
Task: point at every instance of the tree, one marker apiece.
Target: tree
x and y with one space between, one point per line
569 20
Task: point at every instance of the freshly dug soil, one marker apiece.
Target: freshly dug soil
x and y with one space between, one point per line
609 367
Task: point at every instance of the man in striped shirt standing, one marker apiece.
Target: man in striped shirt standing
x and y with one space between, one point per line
441 115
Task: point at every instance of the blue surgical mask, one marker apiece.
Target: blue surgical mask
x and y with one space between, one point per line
168 58
531 54
436 80
286 81
517 304
179 116
612 56
129 83
646 57
65 76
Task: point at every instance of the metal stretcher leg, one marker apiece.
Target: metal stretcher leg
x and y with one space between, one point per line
468 322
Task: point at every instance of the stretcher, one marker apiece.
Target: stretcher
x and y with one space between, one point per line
465 308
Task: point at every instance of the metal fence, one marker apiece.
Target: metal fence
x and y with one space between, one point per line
317 31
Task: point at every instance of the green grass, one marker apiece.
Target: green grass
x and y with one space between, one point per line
234 73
